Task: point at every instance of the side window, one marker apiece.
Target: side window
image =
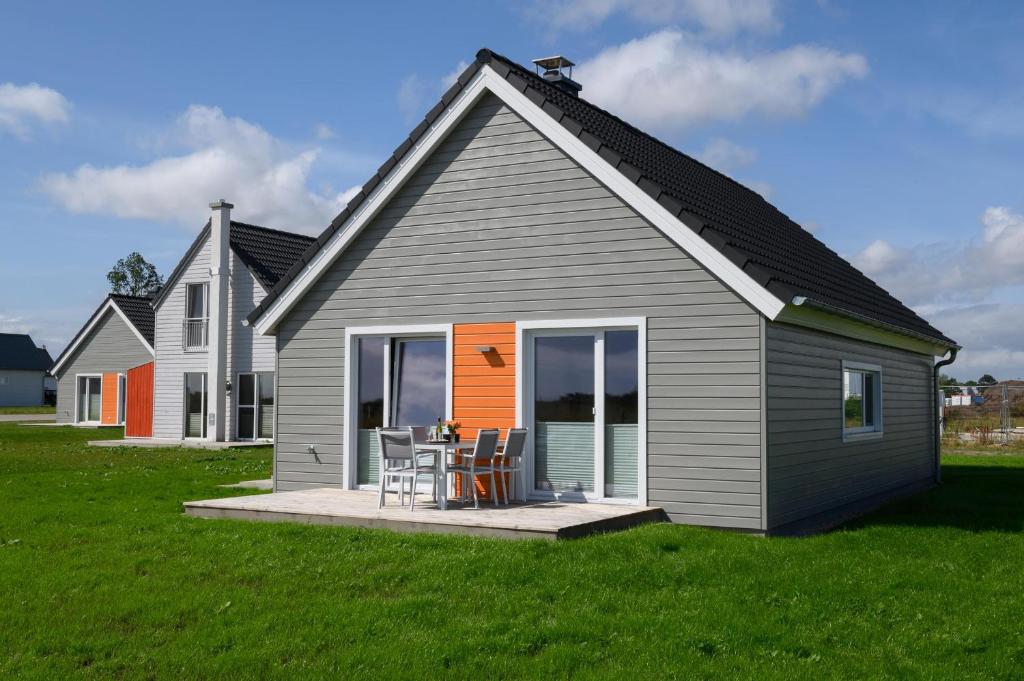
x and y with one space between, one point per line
195 301
862 400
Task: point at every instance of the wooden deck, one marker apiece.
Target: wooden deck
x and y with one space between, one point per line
329 506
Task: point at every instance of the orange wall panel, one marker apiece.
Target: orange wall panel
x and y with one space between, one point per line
139 404
108 402
484 384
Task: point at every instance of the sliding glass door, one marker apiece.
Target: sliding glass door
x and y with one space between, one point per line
584 412
90 399
246 413
398 382
195 405
370 415
564 413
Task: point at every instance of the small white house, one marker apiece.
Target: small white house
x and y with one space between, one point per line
214 377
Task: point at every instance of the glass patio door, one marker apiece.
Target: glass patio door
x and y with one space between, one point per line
246 406
585 413
195 405
89 398
399 382
564 413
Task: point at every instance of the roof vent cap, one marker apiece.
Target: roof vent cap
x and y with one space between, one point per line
557 70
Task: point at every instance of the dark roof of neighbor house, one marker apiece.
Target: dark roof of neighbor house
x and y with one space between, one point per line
139 311
267 253
19 353
775 251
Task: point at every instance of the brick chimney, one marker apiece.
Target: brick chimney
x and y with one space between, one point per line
217 346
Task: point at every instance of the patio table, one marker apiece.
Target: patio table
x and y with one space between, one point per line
444 449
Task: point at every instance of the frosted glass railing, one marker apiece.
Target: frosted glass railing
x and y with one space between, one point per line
620 460
368 458
564 456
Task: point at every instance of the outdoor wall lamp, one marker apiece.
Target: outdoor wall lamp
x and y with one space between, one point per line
485 348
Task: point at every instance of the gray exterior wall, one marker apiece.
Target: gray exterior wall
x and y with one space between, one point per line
21 388
246 350
499 225
810 469
111 346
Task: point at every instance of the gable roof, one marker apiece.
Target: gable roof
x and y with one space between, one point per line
19 353
267 253
139 311
763 243
135 311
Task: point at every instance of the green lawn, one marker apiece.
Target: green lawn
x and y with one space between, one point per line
28 410
101 575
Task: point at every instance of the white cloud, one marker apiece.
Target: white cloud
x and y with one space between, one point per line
324 132
669 80
227 157
955 285
724 155
23 105
992 336
966 270
716 16
449 78
416 93
411 93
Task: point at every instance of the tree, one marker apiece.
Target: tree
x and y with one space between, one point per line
987 379
134 276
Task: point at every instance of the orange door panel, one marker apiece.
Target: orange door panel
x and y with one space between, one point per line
484 383
108 402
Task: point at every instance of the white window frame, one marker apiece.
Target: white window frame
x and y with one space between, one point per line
206 299
184 405
351 369
78 416
525 331
255 404
257 408
865 432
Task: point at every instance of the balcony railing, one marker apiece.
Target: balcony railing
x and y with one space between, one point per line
194 335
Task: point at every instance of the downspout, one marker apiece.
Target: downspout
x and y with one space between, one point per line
935 410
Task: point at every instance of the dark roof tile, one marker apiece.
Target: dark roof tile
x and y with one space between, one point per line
19 353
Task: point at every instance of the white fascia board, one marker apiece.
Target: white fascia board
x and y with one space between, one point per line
389 185
486 80
109 305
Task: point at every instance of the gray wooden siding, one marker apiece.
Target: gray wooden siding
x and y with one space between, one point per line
810 469
111 346
21 388
499 225
246 350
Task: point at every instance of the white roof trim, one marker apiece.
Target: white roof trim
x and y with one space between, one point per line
486 80
109 305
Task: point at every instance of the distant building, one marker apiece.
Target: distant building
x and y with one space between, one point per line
23 371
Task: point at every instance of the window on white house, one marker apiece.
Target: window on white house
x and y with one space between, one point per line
195 301
862 399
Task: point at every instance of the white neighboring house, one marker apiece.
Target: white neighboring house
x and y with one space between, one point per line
214 377
23 371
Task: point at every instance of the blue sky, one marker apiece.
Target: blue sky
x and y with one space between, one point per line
894 131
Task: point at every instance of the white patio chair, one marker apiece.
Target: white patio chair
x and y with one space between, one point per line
510 458
400 460
480 462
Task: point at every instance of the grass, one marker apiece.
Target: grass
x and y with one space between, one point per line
101 575
28 410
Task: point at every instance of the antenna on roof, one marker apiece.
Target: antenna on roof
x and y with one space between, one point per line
558 72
